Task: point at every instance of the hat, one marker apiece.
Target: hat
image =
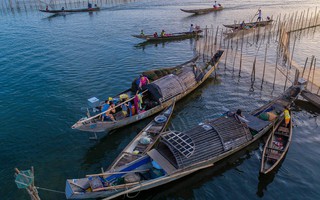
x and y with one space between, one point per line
110 98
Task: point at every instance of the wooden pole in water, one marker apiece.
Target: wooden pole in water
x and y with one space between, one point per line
304 68
235 55
215 39
294 44
276 68
264 65
253 74
314 70
241 54
311 64
225 63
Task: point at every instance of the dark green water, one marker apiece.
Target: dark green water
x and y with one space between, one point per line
50 66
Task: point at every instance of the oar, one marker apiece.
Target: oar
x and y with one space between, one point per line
111 173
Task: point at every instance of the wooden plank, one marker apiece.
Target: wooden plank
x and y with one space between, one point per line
163 162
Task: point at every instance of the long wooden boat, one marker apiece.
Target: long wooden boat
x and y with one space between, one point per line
71 10
179 154
203 10
311 97
276 146
171 36
145 139
181 81
250 24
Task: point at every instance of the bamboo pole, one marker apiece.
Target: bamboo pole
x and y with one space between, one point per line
314 70
241 54
253 74
112 173
311 64
225 63
276 68
235 55
304 68
264 65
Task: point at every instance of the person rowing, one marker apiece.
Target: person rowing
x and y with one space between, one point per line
259 15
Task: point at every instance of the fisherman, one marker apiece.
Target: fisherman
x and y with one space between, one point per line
143 81
215 4
163 33
106 108
89 5
141 33
259 15
62 8
47 8
240 118
286 116
191 28
242 25
155 35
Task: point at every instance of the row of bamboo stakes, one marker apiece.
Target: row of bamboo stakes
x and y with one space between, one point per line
284 30
12 6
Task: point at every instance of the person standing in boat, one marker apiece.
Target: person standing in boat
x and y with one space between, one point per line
47 8
215 4
259 15
141 32
286 116
89 5
62 8
143 81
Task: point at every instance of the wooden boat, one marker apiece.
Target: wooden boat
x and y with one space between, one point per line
165 88
311 97
171 36
203 10
138 146
250 24
179 154
71 10
276 146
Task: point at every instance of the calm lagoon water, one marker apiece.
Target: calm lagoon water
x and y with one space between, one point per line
50 66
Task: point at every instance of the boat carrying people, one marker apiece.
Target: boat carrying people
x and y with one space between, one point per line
170 36
166 86
178 154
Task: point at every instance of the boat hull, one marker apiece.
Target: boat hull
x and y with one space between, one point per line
250 24
202 11
173 36
70 11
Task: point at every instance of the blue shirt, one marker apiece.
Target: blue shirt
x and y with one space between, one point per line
105 108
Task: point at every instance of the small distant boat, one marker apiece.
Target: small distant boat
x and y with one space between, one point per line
276 146
145 140
250 24
203 10
179 154
71 10
171 36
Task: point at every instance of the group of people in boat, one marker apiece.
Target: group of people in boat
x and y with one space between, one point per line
124 106
162 34
89 6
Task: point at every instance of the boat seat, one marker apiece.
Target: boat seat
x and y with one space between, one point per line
162 161
283 129
275 149
273 156
282 134
154 129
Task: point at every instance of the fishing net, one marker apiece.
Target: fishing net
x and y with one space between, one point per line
24 179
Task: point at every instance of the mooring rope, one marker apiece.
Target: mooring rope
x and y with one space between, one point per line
50 190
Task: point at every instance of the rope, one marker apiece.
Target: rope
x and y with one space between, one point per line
134 196
50 190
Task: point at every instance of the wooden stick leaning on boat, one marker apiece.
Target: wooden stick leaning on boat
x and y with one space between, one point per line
98 115
111 173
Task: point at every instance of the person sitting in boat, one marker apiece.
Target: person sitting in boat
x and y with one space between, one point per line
143 80
259 15
107 108
126 107
141 32
191 28
240 118
47 8
268 18
95 5
155 35
286 116
62 8
163 33
242 25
